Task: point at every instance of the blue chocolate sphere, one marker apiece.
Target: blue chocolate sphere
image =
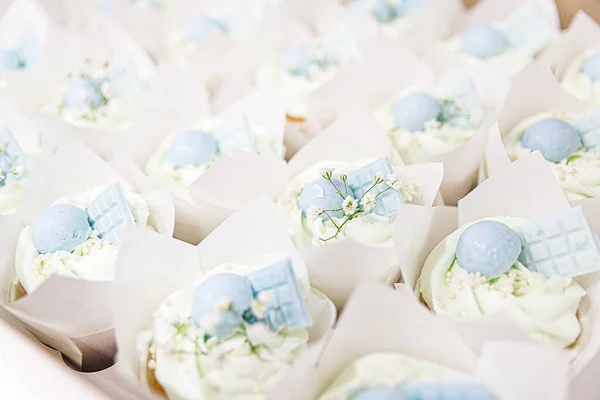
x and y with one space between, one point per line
484 42
216 288
445 391
200 27
298 60
488 247
378 393
591 66
554 138
85 93
62 227
321 193
12 60
192 147
415 110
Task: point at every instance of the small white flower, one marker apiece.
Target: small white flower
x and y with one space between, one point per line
210 322
259 309
349 205
368 202
409 191
223 305
393 181
258 334
318 242
17 170
265 297
432 125
379 177
326 172
313 212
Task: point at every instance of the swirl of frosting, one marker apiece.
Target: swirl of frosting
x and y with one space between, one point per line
546 308
580 77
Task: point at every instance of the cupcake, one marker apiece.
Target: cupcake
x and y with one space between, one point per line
568 141
333 200
425 123
14 170
77 237
391 375
522 266
305 68
581 76
516 40
183 157
394 18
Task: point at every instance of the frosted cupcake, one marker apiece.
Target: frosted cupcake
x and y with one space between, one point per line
582 76
77 237
423 124
569 142
523 267
389 375
333 200
184 157
234 333
515 40
305 68
394 18
14 170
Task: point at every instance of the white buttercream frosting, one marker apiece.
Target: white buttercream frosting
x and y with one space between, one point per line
388 369
178 179
93 260
188 366
580 84
579 175
366 228
10 195
546 308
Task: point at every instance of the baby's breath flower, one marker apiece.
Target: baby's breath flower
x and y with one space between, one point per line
265 297
210 322
368 202
259 309
409 191
313 212
223 305
318 242
258 334
379 177
349 205
393 181
432 125
326 172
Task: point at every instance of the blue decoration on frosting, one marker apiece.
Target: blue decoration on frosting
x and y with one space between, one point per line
554 138
109 214
200 27
85 92
444 391
378 393
387 11
588 125
21 55
12 60
236 133
192 147
484 42
61 227
488 247
212 291
322 194
415 110
14 164
299 60
591 66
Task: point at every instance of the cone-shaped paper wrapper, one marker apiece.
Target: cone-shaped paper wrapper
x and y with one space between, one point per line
534 90
22 130
72 316
583 34
259 238
378 319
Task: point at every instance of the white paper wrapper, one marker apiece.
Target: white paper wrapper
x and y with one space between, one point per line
378 319
259 237
533 91
334 269
72 316
103 39
533 193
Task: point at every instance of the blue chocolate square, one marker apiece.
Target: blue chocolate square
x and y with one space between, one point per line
14 164
109 214
234 133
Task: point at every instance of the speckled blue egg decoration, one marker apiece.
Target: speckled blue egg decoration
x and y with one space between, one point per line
591 66
321 193
445 390
415 110
192 147
61 227
212 291
554 138
488 247
484 42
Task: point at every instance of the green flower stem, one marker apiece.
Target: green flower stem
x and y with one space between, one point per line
336 188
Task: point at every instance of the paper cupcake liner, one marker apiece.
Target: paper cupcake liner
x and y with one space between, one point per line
84 337
378 319
257 234
534 193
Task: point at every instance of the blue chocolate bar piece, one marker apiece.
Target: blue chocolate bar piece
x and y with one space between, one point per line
588 125
14 164
445 391
363 178
562 244
287 309
234 133
109 214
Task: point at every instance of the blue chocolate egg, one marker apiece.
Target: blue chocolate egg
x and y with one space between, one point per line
62 227
12 60
202 26
554 138
321 193
192 147
212 291
298 60
444 390
484 42
591 66
488 247
412 112
84 93
378 393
